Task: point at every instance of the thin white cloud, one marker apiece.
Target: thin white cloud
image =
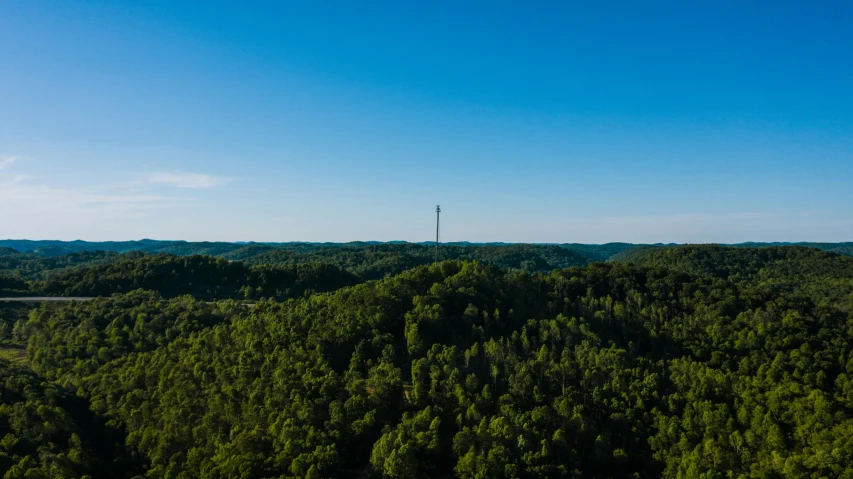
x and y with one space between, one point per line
35 209
7 161
184 180
26 198
31 206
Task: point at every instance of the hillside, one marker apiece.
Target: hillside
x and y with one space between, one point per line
598 252
378 261
637 253
200 276
703 360
291 252
735 263
61 274
33 266
48 432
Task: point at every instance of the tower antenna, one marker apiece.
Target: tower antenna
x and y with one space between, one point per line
437 231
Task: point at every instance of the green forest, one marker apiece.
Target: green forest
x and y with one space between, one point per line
221 360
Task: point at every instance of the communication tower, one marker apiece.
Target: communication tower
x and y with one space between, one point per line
437 231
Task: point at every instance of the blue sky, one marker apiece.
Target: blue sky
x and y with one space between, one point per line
527 121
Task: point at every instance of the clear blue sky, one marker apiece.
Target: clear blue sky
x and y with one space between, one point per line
527 121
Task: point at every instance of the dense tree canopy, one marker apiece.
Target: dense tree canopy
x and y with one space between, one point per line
701 362
245 251
37 267
379 261
48 432
12 286
201 276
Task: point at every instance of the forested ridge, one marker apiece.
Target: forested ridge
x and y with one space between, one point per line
370 261
378 261
63 265
252 271
31 266
243 251
201 276
684 362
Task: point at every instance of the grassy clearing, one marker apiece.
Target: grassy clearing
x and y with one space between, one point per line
15 353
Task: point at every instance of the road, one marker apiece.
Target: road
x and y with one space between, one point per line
68 299
39 299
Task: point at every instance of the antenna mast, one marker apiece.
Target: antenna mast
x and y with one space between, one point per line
437 231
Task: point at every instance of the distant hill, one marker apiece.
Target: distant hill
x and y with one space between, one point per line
201 276
32 266
247 251
181 248
244 250
51 250
840 248
638 253
737 263
357 254
378 261
635 254
598 252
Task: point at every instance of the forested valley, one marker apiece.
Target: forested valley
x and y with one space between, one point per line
376 361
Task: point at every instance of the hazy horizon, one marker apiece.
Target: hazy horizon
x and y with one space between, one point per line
426 242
